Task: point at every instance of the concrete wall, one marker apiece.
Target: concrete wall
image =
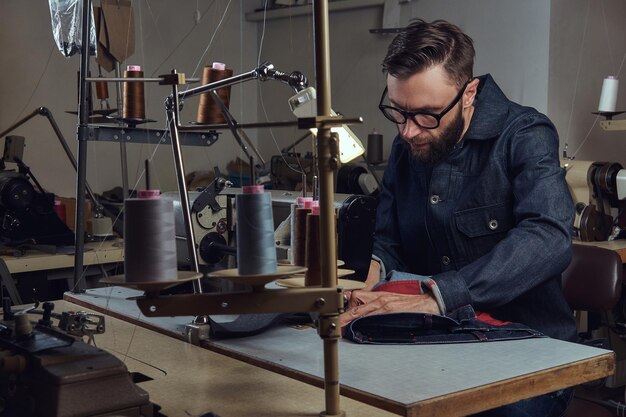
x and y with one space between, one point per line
587 43
550 55
511 39
35 73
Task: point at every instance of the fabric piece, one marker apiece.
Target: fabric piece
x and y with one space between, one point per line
460 326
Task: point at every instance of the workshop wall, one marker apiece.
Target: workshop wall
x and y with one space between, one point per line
549 55
511 41
35 73
587 43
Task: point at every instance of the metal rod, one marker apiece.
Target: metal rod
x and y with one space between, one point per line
117 78
82 134
120 106
246 76
326 163
173 117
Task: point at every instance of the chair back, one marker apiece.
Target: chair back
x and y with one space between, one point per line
593 279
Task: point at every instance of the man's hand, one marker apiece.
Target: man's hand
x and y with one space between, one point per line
365 303
373 275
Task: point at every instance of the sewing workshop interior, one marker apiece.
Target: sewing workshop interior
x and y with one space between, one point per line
224 208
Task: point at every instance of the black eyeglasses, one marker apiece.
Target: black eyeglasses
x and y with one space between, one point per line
424 120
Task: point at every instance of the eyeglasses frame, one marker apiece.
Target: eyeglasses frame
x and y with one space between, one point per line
411 114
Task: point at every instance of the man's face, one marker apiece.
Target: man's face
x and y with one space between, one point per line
428 91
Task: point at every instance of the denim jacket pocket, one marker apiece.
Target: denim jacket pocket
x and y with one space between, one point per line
485 221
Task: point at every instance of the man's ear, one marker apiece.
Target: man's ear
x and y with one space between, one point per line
470 92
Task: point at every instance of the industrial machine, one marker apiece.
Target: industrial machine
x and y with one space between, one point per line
48 371
27 212
599 193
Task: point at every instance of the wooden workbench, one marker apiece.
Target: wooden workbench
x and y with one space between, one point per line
189 381
417 381
96 253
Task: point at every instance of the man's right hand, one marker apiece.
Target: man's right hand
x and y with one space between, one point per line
373 275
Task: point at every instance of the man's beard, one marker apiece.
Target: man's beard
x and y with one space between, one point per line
442 145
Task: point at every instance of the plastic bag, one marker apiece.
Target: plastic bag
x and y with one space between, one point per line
67 30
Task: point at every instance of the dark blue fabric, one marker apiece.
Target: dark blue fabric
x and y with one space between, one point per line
498 235
460 326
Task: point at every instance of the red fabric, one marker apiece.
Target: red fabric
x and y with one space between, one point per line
401 287
486 318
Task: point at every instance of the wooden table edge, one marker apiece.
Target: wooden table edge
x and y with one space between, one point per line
460 403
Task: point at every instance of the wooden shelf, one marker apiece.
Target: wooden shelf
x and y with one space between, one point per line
292 11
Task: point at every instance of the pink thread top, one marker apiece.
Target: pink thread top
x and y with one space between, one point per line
311 204
219 66
252 189
611 77
133 68
315 210
148 194
301 200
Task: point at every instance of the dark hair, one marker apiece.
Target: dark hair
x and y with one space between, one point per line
422 45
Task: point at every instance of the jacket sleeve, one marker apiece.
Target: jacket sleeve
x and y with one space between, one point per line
538 247
386 246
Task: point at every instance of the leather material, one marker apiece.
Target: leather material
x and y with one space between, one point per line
593 279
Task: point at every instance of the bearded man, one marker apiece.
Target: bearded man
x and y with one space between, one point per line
474 204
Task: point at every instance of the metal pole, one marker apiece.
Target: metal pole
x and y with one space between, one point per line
327 162
173 116
82 136
120 105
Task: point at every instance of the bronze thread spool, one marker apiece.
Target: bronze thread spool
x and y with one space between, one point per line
134 107
102 90
209 112
299 250
312 276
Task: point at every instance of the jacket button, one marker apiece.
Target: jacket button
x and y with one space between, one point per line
445 260
434 199
493 224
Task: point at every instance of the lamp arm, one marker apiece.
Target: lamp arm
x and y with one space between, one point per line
264 72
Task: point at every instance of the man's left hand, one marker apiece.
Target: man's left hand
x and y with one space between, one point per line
365 303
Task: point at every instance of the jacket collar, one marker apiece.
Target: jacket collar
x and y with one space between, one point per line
491 108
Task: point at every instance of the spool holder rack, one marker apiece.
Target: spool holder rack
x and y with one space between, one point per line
328 299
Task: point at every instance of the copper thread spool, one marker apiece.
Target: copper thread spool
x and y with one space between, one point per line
134 107
209 112
313 274
299 250
102 90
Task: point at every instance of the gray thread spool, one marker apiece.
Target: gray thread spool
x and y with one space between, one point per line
149 239
374 148
256 249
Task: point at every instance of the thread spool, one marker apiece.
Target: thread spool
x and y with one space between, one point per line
374 148
102 90
299 250
608 96
133 107
60 210
149 238
313 274
294 237
101 226
256 249
209 112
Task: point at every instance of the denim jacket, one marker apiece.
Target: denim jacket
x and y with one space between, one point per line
491 223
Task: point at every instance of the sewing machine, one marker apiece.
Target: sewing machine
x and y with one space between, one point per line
599 193
48 371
